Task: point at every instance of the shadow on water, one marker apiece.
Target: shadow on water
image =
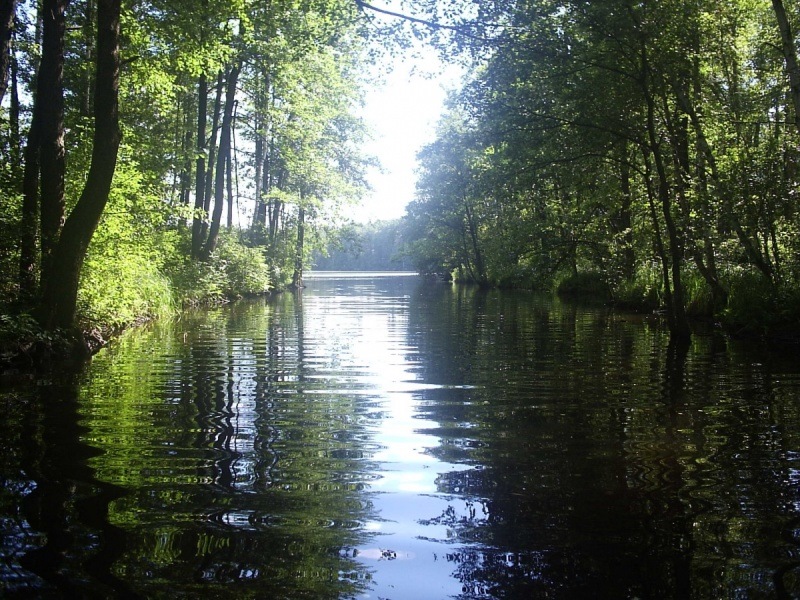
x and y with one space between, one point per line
190 467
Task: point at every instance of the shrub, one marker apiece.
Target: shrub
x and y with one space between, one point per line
246 271
644 290
197 282
10 225
699 297
233 270
589 284
759 306
121 289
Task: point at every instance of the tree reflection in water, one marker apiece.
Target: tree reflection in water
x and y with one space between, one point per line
393 439
55 517
607 461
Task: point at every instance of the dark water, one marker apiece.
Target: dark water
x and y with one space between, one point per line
394 438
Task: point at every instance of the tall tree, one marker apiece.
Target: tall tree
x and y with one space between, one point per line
7 12
49 112
789 50
200 167
223 155
62 275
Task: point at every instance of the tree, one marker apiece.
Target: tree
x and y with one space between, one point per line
449 196
619 134
789 51
223 155
7 12
62 275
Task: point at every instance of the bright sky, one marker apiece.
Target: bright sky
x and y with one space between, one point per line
402 115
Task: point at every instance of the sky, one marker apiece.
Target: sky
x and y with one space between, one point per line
402 114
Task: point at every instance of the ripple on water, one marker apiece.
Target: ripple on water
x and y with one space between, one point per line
334 443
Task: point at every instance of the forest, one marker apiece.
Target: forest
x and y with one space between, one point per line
646 152
157 154
162 154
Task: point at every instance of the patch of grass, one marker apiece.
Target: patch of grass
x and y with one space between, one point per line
700 301
128 289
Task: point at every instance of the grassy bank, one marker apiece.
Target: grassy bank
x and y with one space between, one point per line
120 289
754 306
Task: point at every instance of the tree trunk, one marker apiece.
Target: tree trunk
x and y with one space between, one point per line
50 105
222 156
472 225
467 260
790 56
200 167
13 119
29 226
299 249
7 11
29 223
623 220
697 228
275 208
186 171
658 239
730 215
261 161
275 212
61 282
212 152
678 323
676 312
229 177
260 211
86 80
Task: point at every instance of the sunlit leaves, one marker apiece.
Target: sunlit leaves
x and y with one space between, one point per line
573 106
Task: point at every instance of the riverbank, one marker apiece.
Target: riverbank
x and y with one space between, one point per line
25 346
753 308
120 291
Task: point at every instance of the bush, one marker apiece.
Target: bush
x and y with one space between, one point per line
700 301
118 290
585 285
10 227
23 341
233 270
197 282
18 327
757 305
643 291
246 271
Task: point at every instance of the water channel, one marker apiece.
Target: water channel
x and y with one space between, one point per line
398 438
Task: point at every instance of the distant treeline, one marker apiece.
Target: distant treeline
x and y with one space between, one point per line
373 246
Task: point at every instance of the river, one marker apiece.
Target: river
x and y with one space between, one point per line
385 436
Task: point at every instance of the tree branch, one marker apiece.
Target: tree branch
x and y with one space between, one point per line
459 29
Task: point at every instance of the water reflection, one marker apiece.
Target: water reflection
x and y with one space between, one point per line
396 438
244 467
600 455
54 517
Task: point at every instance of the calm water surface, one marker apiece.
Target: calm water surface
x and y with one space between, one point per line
393 437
